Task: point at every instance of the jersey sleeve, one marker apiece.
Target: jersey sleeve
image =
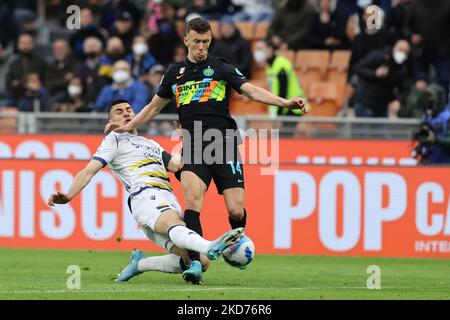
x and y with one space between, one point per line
107 151
167 81
234 77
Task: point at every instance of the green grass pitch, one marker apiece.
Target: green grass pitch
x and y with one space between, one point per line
41 274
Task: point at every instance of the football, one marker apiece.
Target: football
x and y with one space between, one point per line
240 254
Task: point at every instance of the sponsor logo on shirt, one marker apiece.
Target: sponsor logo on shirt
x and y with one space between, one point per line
204 90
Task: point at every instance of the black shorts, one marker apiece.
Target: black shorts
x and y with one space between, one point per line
227 172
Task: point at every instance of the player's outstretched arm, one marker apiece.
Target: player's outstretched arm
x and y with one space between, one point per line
146 115
175 163
81 180
266 97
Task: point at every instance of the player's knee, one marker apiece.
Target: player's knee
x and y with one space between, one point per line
236 212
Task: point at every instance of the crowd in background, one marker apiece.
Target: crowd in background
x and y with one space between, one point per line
122 48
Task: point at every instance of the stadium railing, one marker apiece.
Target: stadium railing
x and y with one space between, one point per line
289 127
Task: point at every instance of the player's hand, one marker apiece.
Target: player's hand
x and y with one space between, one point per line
298 103
58 198
110 126
113 126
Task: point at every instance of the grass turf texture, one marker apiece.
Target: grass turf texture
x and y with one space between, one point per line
41 274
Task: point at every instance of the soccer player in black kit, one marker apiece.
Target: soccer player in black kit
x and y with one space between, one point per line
201 85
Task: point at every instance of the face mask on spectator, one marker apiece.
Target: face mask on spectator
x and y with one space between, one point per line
91 55
74 90
140 49
259 56
121 76
399 57
26 53
115 55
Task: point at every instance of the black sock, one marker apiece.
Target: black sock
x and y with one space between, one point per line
238 223
192 220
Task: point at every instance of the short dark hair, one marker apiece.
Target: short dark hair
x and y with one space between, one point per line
199 25
116 102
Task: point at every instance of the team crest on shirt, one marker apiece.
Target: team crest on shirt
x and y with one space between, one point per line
208 72
182 70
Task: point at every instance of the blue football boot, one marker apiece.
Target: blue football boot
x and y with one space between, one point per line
131 270
194 273
227 239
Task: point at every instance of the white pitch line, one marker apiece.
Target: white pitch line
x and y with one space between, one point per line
173 290
207 289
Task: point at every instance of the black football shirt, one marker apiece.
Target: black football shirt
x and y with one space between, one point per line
202 92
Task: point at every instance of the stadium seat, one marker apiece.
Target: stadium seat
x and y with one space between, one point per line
261 29
290 54
246 29
311 66
326 99
338 68
8 123
215 28
241 105
258 73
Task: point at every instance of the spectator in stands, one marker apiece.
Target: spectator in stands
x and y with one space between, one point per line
427 27
152 81
6 58
162 44
208 9
367 40
433 99
280 74
180 53
410 108
368 17
60 71
290 24
124 29
114 52
204 8
233 47
123 87
153 16
88 70
110 9
327 27
253 10
88 29
140 60
382 80
9 29
34 97
26 62
73 99
396 20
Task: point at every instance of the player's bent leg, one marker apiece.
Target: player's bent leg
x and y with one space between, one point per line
194 188
184 256
234 201
169 263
